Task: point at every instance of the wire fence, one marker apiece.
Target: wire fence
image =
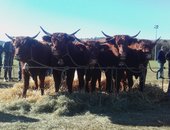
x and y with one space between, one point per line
150 69
151 77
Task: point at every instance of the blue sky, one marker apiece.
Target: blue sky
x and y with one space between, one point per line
23 17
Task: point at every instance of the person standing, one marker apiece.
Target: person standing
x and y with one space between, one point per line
19 71
9 51
161 60
168 59
1 50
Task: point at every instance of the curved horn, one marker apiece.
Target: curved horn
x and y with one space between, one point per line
102 43
35 35
106 35
79 40
136 34
75 32
157 39
12 38
47 33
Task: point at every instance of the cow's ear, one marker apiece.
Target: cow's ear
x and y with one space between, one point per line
46 38
111 41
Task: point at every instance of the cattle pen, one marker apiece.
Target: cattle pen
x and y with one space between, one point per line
150 77
134 110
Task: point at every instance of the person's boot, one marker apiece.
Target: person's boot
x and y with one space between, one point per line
10 75
0 72
5 75
157 76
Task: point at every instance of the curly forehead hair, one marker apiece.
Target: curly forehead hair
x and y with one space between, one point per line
58 36
18 40
62 37
46 38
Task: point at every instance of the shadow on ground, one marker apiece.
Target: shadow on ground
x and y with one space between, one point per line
150 118
134 108
4 84
151 108
5 117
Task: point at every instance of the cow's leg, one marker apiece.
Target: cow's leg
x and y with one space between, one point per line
141 83
70 77
130 80
118 78
57 79
108 80
42 78
87 79
95 75
34 77
99 80
26 77
123 80
81 73
93 83
142 79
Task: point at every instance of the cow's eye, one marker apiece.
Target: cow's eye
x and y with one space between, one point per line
17 45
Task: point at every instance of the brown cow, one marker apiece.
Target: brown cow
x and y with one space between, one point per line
121 42
140 56
66 57
136 57
34 57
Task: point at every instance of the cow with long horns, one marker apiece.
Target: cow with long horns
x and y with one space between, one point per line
135 55
102 56
93 70
34 57
121 42
66 56
137 59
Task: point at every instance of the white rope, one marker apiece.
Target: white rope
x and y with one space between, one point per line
152 69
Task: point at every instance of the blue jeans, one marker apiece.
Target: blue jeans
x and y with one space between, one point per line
19 71
8 62
160 72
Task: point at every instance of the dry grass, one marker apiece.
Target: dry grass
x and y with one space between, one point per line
66 103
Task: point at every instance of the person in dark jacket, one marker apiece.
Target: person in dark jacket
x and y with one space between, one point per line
19 71
1 50
161 60
9 51
168 59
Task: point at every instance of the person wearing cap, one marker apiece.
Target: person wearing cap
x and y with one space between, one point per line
161 60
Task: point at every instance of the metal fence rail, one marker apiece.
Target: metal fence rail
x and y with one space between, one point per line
15 69
150 77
